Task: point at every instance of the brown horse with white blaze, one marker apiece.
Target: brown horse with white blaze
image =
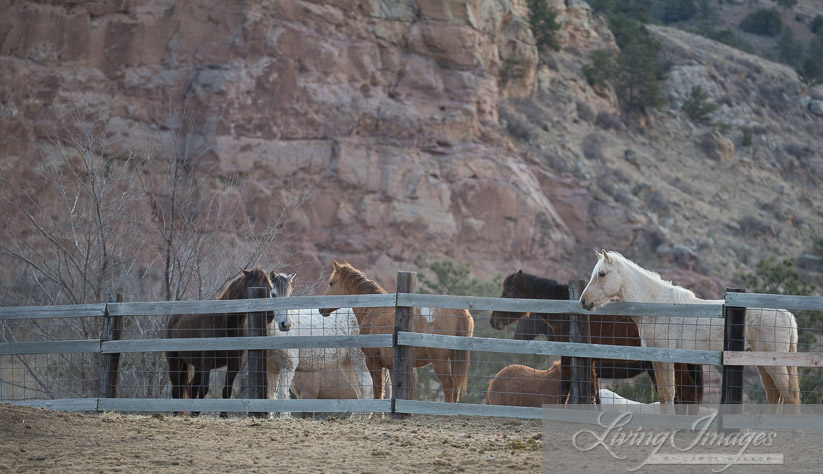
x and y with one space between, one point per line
450 366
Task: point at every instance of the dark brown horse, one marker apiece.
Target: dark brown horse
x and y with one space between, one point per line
611 330
211 325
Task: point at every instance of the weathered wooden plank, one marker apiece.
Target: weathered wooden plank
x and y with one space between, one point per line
630 417
62 404
560 306
403 375
773 422
246 343
788 302
582 387
441 408
254 305
766 359
50 347
595 351
44 312
244 405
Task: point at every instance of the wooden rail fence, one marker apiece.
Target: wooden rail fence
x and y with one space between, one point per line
110 345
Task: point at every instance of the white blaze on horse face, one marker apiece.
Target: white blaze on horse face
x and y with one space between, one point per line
283 320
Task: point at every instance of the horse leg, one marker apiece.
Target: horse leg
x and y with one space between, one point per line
272 374
288 363
772 394
179 376
441 370
664 371
231 372
365 391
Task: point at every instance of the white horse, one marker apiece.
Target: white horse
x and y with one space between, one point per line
769 330
327 373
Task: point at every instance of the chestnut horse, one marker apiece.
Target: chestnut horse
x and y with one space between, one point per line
450 366
612 330
211 325
523 386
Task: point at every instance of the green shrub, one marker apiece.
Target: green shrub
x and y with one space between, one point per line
746 140
601 70
764 22
789 50
817 25
672 11
543 21
697 107
725 36
453 279
810 73
788 4
777 277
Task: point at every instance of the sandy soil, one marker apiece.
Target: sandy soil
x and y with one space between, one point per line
35 440
42 440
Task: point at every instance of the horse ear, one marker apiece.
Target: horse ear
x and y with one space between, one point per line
346 262
272 275
336 265
247 273
598 254
606 256
291 277
520 273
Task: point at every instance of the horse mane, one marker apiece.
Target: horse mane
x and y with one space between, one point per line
546 287
357 282
652 275
236 289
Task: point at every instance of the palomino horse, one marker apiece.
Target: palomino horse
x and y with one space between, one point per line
523 386
769 330
450 366
612 330
211 325
316 372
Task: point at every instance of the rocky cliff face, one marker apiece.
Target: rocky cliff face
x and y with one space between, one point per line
429 129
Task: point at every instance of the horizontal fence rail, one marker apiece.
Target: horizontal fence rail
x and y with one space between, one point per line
597 351
45 312
249 305
787 302
762 359
559 306
50 347
246 343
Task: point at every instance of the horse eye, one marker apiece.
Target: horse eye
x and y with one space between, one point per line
331 283
601 274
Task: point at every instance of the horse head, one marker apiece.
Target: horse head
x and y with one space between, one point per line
334 288
605 282
513 287
281 287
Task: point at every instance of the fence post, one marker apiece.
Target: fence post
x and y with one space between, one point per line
256 323
580 389
733 340
402 377
110 367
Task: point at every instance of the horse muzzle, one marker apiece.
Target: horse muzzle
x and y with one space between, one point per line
587 305
285 327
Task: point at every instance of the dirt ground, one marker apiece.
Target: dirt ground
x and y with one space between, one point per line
36 440
42 440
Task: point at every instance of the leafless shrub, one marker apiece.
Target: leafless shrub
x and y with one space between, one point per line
608 121
584 112
658 203
517 125
593 146
755 227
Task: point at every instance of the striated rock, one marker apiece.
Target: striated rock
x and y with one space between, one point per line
816 107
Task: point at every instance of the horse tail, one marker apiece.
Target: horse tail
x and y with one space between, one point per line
460 358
